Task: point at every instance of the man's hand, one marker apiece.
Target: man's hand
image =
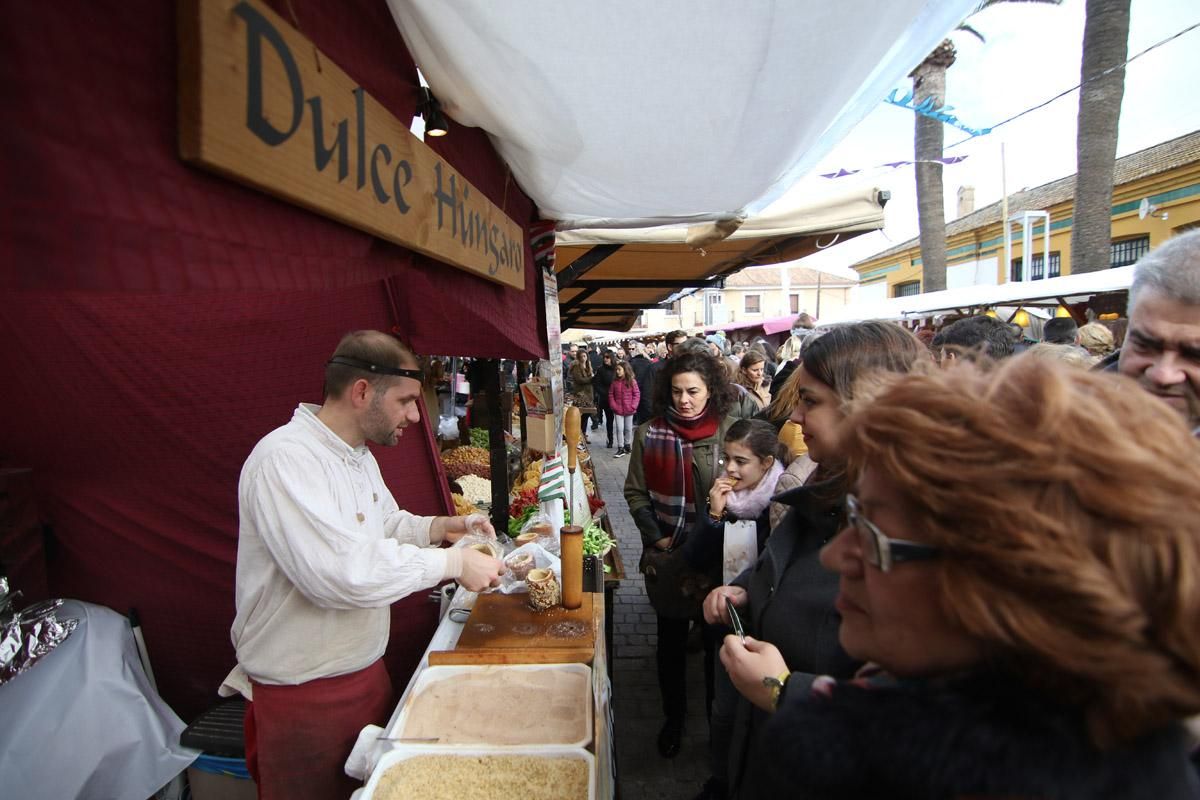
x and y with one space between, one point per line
748 664
479 571
715 612
663 543
454 528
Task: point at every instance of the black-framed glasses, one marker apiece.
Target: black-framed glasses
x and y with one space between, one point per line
881 550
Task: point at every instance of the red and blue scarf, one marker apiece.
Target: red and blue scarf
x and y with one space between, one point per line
667 465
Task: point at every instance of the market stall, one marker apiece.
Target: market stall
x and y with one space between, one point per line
535 644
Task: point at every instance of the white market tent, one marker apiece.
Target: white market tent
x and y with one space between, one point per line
631 114
1067 288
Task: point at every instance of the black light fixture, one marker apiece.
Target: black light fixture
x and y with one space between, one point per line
431 112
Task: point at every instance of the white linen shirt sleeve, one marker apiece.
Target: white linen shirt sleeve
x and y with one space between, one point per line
400 524
333 565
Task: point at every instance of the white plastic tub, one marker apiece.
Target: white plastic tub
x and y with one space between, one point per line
431 675
407 751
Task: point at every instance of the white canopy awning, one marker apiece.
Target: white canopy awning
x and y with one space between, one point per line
1071 288
629 114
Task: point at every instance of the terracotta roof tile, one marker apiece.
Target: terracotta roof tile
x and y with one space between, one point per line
797 276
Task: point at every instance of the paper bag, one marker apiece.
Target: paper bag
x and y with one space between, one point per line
740 548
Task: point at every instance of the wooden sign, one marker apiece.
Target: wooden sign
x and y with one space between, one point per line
259 104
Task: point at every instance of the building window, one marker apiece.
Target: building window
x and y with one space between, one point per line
752 304
676 308
794 304
907 289
641 321
1128 251
1037 267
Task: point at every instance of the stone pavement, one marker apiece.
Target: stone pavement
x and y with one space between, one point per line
637 707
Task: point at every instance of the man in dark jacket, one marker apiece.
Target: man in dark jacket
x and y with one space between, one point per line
601 385
643 373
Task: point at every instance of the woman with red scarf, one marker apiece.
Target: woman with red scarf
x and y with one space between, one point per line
674 462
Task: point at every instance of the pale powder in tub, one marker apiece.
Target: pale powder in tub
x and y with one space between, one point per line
454 777
498 707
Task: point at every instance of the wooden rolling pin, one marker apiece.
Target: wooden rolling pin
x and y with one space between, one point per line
572 432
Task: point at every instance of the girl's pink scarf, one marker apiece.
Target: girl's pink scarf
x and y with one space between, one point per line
750 503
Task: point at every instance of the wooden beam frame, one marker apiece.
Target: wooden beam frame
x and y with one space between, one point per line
644 283
586 262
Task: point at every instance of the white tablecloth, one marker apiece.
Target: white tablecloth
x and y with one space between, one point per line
84 721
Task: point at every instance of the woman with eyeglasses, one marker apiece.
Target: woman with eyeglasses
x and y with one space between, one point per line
1024 578
786 598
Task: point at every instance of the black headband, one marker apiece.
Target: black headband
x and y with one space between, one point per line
358 363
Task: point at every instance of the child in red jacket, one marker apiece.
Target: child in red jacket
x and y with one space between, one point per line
623 398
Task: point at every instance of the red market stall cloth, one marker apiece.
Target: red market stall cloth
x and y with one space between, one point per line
158 320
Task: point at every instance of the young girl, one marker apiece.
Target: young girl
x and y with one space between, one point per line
623 399
754 459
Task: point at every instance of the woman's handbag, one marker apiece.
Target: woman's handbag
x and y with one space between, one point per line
675 588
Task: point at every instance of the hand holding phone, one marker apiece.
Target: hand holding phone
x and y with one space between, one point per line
735 620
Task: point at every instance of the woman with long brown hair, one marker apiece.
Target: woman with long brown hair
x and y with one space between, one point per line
1021 565
582 377
750 376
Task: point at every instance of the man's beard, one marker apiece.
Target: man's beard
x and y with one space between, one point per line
378 428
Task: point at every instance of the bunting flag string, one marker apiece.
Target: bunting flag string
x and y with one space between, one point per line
842 173
927 108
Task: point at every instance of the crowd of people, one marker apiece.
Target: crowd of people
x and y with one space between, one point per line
975 574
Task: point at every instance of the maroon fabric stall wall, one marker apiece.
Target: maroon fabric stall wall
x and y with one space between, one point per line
157 320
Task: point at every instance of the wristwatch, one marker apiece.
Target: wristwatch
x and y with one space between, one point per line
777 685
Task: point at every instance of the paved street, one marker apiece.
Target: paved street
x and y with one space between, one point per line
643 774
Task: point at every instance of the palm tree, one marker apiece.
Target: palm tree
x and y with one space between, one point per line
929 80
1105 47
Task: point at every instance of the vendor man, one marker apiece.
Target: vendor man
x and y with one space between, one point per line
323 551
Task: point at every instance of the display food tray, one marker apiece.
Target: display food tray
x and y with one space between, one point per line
406 751
430 675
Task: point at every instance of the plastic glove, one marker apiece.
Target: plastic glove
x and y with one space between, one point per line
479 524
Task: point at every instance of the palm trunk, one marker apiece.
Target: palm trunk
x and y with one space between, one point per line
1105 45
929 81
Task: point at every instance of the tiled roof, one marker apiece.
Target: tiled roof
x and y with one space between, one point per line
1143 163
797 276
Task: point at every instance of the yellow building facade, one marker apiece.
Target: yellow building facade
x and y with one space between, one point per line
1166 176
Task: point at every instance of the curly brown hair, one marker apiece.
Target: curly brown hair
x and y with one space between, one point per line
710 369
1066 504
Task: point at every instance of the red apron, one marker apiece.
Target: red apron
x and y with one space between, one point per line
299 737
